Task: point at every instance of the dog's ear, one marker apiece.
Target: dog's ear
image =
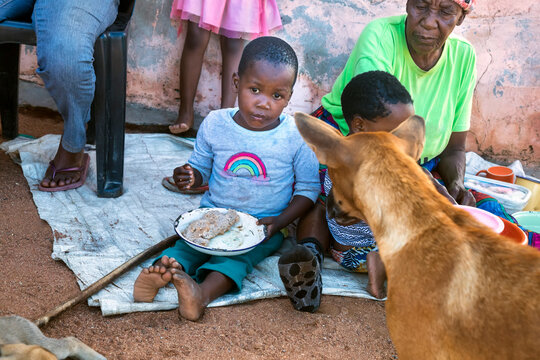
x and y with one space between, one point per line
413 133
322 138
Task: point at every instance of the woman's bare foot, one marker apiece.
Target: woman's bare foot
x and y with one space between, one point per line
191 302
376 275
153 278
63 160
183 123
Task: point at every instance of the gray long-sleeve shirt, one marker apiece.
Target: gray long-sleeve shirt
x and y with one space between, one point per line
257 172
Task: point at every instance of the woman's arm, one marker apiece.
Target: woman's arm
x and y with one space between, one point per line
452 168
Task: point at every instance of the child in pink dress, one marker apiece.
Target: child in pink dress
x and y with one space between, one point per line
235 21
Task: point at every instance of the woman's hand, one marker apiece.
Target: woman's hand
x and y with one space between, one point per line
184 177
440 188
452 169
461 195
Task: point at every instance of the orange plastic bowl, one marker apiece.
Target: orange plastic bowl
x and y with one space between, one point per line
514 233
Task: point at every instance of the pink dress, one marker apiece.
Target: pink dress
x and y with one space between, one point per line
246 19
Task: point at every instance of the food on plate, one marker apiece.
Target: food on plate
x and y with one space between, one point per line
210 225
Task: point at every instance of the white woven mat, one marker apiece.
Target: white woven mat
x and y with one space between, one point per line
93 236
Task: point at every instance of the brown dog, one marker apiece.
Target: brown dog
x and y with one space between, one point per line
20 339
456 290
24 352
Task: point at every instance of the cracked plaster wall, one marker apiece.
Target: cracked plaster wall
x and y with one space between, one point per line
506 112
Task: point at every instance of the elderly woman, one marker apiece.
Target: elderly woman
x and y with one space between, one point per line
439 72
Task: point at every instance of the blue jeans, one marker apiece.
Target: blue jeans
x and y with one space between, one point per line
15 9
66 32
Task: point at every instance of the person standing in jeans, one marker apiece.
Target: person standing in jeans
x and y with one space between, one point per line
66 31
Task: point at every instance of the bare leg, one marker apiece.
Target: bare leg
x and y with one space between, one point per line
376 275
153 278
194 298
231 52
313 224
63 160
190 72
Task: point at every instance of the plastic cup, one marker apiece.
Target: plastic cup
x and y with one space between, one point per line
501 173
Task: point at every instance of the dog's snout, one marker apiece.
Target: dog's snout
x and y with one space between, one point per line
330 206
334 211
331 213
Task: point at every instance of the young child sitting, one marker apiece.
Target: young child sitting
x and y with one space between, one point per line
371 101
256 132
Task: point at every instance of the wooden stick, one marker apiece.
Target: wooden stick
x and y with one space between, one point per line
107 279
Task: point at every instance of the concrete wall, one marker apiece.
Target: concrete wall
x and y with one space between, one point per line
506 113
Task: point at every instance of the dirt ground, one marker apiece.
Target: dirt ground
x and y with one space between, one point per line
31 283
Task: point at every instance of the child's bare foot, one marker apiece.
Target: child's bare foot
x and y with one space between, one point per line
191 302
153 278
169 262
376 275
183 123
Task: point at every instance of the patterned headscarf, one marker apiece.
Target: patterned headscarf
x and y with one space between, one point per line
467 5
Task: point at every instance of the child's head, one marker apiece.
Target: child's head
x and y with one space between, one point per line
264 82
375 101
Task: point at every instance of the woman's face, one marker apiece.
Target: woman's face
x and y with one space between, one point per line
429 23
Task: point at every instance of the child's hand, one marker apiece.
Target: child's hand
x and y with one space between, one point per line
184 177
273 225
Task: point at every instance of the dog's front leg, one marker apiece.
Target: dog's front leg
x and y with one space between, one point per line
73 348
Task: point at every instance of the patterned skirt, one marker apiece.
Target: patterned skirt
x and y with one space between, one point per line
354 259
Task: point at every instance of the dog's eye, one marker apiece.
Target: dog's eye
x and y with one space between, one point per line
340 202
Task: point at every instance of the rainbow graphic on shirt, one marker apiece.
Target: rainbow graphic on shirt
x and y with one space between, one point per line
246 164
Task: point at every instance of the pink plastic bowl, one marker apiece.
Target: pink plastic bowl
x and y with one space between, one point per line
492 221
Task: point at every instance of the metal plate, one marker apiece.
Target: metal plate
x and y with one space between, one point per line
239 239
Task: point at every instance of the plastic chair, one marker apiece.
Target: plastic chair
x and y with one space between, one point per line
107 122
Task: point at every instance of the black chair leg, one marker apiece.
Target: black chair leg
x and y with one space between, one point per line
109 112
91 130
9 89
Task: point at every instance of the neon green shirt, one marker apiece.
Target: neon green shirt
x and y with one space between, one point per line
442 95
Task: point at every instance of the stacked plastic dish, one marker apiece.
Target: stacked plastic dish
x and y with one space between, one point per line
513 197
491 221
497 224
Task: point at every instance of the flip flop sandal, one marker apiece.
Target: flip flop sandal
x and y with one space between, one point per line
169 184
300 272
83 169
